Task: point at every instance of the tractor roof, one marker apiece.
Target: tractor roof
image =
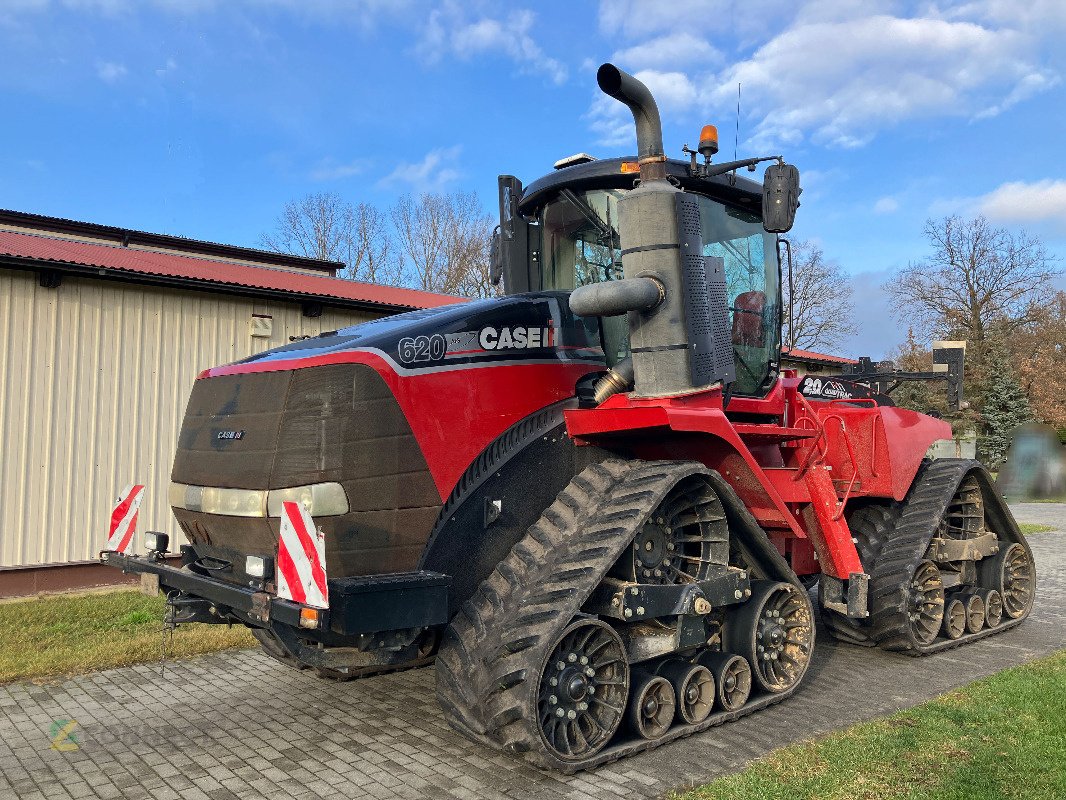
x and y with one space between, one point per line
607 174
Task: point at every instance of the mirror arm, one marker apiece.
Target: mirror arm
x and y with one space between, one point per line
720 169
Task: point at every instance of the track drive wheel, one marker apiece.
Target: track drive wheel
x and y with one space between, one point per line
1011 573
583 689
774 631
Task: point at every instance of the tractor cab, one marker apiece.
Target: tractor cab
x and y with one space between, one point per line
562 232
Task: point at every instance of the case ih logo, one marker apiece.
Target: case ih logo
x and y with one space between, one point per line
230 434
516 338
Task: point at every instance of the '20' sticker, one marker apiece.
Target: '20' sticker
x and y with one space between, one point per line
422 348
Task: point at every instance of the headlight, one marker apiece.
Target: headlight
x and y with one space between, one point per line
320 499
258 567
158 542
233 502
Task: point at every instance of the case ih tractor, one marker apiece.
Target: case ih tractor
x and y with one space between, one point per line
597 501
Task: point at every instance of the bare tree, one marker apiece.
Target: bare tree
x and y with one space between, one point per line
318 226
374 257
821 300
977 278
326 226
446 237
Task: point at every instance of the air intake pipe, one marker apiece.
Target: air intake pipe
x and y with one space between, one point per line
673 321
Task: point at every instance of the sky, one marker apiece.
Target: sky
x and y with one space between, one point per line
203 118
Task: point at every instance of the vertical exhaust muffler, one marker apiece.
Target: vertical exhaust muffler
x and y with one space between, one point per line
674 296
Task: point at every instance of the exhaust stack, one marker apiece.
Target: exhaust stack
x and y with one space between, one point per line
625 88
674 297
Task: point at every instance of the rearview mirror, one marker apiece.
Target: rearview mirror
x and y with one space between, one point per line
780 197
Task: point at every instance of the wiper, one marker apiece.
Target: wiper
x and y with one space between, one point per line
588 213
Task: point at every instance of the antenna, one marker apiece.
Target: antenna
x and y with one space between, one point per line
736 135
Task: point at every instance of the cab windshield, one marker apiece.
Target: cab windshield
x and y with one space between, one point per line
581 246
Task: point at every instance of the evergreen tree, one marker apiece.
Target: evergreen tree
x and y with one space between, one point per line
1005 407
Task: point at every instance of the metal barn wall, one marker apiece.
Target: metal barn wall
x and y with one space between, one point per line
96 375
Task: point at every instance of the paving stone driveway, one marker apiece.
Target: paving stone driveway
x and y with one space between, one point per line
239 725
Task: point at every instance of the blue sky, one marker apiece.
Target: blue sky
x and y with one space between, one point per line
204 117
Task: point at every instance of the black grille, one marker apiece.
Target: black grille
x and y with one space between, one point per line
332 423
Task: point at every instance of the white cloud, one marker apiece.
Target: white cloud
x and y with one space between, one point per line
450 29
430 174
1028 15
1023 203
886 205
636 19
1027 87
840 82
670 51
110 71
330 169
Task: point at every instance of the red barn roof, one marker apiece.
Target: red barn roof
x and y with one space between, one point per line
809 355
32 250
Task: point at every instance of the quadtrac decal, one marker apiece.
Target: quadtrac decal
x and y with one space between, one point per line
831 389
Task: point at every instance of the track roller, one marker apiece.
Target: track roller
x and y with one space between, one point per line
993 601
774 631
954 618
694 686
652 705
732 677
975 612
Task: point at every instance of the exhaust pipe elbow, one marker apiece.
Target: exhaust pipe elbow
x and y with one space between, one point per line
624 87
612 298
618 379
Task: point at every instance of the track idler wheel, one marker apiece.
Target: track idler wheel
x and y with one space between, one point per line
1011 573
651 706
583 689
993 607
954 618
926 602
774 631
695 689
732 677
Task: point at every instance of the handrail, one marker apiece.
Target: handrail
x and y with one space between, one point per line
842 504
813 456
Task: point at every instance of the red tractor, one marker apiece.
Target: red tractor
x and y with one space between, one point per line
597 501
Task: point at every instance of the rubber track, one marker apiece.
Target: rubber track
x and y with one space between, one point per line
871 526
271 646
932 492
493 651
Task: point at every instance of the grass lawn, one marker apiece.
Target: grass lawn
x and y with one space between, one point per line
1029 528
68 634
1001 737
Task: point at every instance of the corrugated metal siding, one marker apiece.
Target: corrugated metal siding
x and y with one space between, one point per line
96 375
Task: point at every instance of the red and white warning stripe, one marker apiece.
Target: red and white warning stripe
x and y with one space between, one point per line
301 558
124 519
